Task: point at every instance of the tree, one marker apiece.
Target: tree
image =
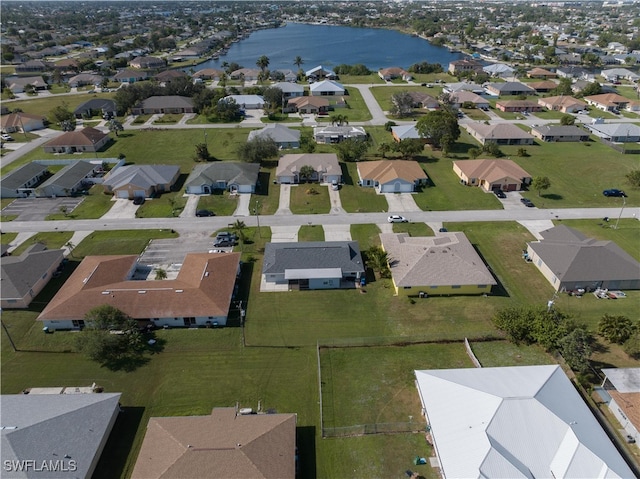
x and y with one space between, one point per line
632 345
298 61
111 350
474 152
263 62
440 127
409 147
516 323
540 183
567 120
351 149
115 126
339 119
576 349
616 328
258 149
306 172
378 261
593 88
70 246
161 274
402 104
227 110
307 143
239 228
202 152
63 209
633 177
273 97
61 113
385 148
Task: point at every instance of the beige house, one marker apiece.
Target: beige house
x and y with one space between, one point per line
501 134
141 181
608 101
87 139
308 105
565 104
391 176
541 73
492 175
325 166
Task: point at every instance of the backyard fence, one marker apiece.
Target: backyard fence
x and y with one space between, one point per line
624 148
380 428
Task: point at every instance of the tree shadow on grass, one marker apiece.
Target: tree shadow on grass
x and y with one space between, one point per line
127 362
551 196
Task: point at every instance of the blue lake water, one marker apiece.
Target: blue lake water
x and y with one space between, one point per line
331 46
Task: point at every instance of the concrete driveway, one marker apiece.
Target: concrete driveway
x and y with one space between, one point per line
244 203
37 209
336 202
284 234
121 208
190 207
285 200
399 202
337 232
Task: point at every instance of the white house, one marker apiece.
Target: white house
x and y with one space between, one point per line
326 88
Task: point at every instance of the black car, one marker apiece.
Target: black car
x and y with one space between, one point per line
200 213
138 200
443 230
500 194
614 192
527 202
220 243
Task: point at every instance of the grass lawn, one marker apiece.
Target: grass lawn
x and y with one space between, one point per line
93 206
356 199
414 229
475 114
361 79
267 193
168 119
311 233
166 205
383 96
222 204
309 199
43 105
140 119
51 239
493 354
118 242
356 109
7 238
366 235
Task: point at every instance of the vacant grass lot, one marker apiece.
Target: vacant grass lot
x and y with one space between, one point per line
310 199
51 239
366 235
93 205
311 233
43 105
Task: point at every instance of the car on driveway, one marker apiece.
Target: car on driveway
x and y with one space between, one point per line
527 202
614 192
138 200
200 213
500 194
6 137
397 219
443 230
335 186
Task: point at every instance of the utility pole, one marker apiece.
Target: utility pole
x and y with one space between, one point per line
255 210
9 336
620 215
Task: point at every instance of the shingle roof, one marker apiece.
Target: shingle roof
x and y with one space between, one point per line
171 101
145 176
385 171
616 129
279 133
516 422
202 288
326 85
18 119
444 260
85 137
491 170
18 177
498 131
227 171
20 273
552 101
254 446
70 175
103 104
302 101
62 427
280 257
607 99
322 162
511 86
560 130
573 257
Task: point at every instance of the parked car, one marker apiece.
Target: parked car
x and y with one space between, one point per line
227 235
614 192
335 186
200 213
138 200
527 202
6 137
221 243
397 219
443 230
500 194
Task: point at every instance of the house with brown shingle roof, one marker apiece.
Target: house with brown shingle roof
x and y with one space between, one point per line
308 105
423 100
391 176
460 97
199 295
21 121
607 101
565 104
518 105
491 174
543 86
164 104
541 73
144 63
500 133
224 444
391 73
326 168
435 265
208 74
87 139
622 386
168 76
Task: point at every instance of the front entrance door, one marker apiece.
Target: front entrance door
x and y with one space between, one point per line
189 321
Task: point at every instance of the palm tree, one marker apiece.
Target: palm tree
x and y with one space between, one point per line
298 61
263 62
70 246
378 260
161 274
306 172
239 228
339 120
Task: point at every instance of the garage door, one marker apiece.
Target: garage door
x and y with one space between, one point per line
122 194
139 194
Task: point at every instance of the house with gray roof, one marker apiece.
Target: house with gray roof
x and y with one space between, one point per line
236 177
246 102
445 264
311 265
325 166
509 88
326 88
20 183
570 261
616 132
83 79
70 179
405 132
64 433
500 133
559 133
289 89
24 276
284 137
164 104
336 133
96 106
134 181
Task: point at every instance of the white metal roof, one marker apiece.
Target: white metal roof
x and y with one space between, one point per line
525 421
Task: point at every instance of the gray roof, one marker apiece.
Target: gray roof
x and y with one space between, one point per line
288 87
320 162
279 133
141 175
444 260
18 177
560 130
227 171
102 104
171 101
56 427
625 380
70 175
20 273
511 86
616 129
571 256
280 257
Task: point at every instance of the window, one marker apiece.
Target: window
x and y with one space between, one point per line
455 286
482 286
78 323
44 275
433 287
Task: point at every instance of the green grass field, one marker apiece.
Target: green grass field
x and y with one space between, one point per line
310 198
52 240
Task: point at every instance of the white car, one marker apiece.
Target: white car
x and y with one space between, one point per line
335 186
397 219
6 137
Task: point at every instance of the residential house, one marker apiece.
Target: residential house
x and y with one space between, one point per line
200 294
607 101
621 388
141 181
577 73
71 179
570 261
167 76
147 63
320 73
235 177
326 88
542 73
55 435
311 265
24 276
248 74
33 66
172 104
83 79
463 86
509 88
500 70
87 139
391 176
457 67
543 86
516 421
501 134
21 182
326 168
247 102
96 106
336 134
226 443
20 121
444 264
130 76
391 73
289 90
565 104
405 132
423 100
461 98
283 136
616 74
492 175
209 74
616 132
19 84
288 76
67 65
308 105
552 133
518 106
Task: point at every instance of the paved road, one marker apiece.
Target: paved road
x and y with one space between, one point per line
45 135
